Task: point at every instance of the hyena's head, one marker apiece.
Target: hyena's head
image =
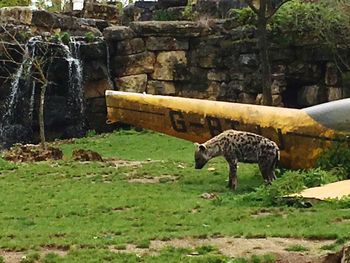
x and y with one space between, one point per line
201 156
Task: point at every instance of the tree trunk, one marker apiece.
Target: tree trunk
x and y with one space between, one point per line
264 56
41 116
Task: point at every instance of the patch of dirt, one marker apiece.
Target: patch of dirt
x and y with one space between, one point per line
18 256
12 256
32 153
153 180
245 247
122 163
228 246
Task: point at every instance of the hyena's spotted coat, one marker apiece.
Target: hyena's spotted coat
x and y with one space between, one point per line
240 146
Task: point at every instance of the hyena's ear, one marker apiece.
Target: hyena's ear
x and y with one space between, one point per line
202 147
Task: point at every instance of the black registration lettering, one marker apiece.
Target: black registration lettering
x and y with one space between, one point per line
177 121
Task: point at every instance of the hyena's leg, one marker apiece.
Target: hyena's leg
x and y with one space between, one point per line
232 180
267 167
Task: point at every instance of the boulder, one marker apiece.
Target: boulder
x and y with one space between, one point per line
227 93
156 87
210 60
310 95
130 46
117 33
331 75
93 51
134 64
213 90
335 93
166 43
86 156
134 83
95 89
33 153
248 60
248 98
16 133
277 100
16 15
168 28
169 65
217 75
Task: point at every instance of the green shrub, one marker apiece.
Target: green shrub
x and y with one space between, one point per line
5 165
312 22
164 15
292 182
337 160
90 37
189 13
63 37
91 133
244 16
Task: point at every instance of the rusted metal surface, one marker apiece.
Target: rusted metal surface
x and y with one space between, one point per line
300 137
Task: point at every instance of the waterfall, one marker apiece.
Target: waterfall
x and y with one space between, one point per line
32 102
110 82
17 122
15 125
76 81
23 74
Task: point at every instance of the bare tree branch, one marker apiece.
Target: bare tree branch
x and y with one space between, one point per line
274 10
251 5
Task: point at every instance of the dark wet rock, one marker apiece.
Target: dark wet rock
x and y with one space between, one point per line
16 133
32 153
86 155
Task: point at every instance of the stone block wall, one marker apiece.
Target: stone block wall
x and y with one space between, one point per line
213 60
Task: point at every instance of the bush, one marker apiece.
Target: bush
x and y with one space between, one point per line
164 15
90 37
292 182
312 22
189 13
244 16
336 159
63 37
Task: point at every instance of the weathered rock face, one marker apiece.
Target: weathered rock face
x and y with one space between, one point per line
217 61
102 11
42 21
212 59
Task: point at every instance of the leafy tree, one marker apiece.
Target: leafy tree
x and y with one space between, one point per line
41 4
4 3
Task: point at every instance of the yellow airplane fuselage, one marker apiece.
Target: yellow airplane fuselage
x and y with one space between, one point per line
300 137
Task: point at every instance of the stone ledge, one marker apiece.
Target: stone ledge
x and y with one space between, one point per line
117 33
168 28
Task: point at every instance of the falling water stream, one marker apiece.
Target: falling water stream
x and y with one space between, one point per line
23 87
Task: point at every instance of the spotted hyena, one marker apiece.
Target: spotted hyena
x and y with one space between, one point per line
240 146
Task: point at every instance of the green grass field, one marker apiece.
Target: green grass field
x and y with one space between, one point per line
92 211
